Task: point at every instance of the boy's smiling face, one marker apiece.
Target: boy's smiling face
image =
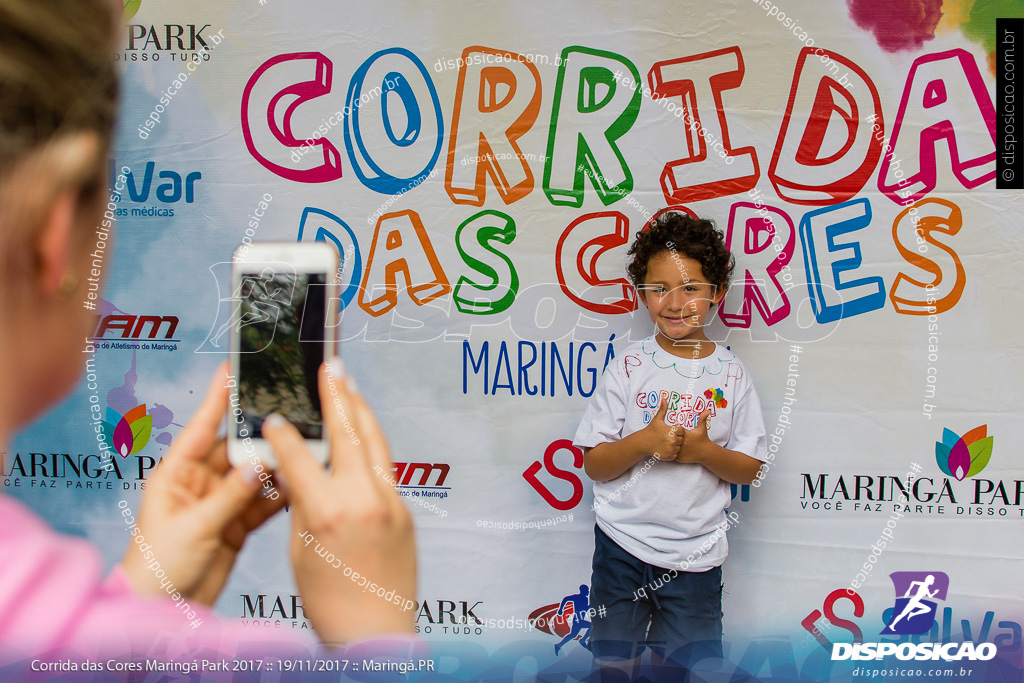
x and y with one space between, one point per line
678 298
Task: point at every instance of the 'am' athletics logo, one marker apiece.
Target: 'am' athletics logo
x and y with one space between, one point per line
963 456
914 612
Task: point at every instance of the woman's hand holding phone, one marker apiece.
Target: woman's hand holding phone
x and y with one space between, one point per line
352 514
197 509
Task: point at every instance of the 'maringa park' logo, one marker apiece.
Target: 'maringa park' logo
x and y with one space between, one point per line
129 433
128 428
131 7
962 491
963 456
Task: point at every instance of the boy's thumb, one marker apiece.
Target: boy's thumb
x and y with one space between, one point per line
662 409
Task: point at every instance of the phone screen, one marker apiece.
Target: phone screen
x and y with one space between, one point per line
281 329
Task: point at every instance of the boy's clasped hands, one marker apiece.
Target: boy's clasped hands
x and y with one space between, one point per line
670 443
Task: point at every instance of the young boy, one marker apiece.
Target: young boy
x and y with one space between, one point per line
673 422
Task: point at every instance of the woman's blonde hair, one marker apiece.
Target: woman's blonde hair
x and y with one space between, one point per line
56 72
57 82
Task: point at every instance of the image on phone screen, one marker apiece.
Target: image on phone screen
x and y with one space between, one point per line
281 321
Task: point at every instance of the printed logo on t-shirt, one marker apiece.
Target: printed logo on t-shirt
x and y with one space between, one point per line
682 409
717 396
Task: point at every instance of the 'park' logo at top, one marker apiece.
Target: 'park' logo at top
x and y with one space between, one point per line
963 456
914 613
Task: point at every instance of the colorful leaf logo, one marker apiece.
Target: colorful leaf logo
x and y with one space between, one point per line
130 8
129 433
963 456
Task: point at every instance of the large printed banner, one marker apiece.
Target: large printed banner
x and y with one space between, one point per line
482 169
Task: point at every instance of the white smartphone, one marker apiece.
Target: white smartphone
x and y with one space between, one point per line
283 326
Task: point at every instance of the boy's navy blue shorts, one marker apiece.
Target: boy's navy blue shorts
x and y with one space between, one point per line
681 619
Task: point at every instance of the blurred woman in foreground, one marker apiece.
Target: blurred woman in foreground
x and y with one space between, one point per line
57 110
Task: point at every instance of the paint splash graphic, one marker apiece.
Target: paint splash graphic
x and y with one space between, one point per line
907 24
122 398
897 24
963 456
716 395
127 428
976 20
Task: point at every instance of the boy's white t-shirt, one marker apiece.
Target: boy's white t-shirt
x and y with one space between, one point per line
671 514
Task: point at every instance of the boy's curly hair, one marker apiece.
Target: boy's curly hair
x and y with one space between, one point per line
695 238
